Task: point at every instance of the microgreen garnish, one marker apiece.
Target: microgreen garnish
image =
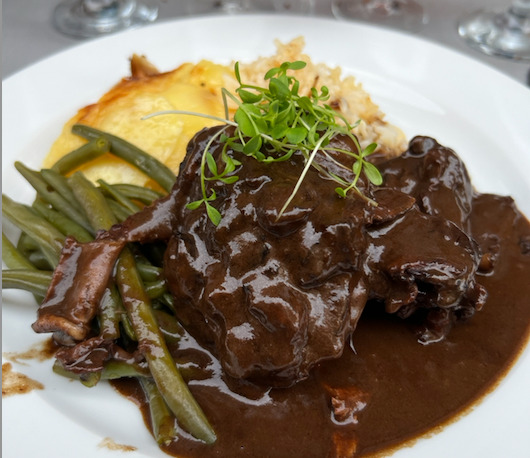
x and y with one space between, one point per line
271 124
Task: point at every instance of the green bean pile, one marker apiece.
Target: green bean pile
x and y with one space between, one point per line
68 204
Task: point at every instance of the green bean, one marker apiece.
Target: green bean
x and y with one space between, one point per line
148 272
12 257
119 211
33 252
47 236
150 339
118 197
133 192
162 420
59 369
151 166
92 201
58 183
32 280
118 369
126 324
62 222
90 379
109 314
167 300
39 260
96 215
85 153
155 289
26 244
111 371
169 325
52 196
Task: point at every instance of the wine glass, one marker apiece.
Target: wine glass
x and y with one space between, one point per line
195 7
500 33
90 18
401 14
294 6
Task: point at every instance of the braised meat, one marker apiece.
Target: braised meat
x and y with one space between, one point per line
275 295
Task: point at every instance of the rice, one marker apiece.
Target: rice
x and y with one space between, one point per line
347 95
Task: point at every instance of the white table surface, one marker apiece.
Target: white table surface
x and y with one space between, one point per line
28 34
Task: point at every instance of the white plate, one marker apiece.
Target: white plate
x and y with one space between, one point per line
424 88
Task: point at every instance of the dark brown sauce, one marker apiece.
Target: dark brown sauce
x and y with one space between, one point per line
339 329
17 383
400 388
41 351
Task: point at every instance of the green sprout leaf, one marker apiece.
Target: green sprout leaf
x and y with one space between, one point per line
249 97
341 192
279 89
369 149
194 205
297 65
372 173
213 214
244 122
296 135
253 145
272 123
212 166
230 180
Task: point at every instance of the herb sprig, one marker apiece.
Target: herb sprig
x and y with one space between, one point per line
271 124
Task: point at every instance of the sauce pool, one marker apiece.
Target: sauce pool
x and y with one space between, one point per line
386 388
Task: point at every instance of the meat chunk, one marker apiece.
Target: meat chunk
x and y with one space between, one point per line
272 295
426 259
275 296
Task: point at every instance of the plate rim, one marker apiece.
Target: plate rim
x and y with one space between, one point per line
494 73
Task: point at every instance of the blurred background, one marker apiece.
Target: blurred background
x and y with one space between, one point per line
29 33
